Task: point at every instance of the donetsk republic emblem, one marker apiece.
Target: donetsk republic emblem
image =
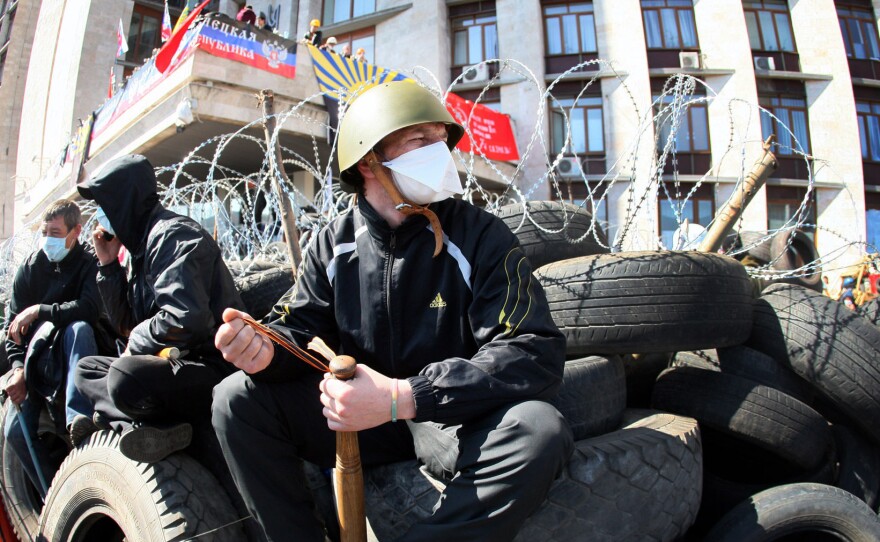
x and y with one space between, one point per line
274 52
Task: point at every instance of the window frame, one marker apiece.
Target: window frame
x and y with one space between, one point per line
865 140
455 20
579 27
328 9
764 100
864 20
7 21
658 6
698 103
703 193
760 6
560 109
774 198
351 37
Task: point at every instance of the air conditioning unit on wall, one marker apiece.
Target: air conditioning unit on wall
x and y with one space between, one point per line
568 167
477 73
689 60
765 63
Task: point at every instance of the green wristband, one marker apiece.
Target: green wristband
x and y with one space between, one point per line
393 399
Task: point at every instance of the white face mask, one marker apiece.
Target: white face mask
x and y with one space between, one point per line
104 221
54 247
426 175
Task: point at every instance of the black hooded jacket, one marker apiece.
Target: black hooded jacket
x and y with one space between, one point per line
65 291
470 329
178 285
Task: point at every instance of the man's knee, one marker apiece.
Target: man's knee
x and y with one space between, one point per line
127 384
231 402
542 427
79 329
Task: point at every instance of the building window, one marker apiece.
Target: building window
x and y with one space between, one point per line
570 29
859 33
474 33
692 134
669 24
769 26
336 11
365 39
585 122
869 130
782 204
144 34
680 201
790 125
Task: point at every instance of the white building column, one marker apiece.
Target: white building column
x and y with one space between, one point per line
834 133
623 122
724 43
521 37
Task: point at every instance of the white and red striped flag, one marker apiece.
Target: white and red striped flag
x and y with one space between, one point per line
112 85
166 24
121 42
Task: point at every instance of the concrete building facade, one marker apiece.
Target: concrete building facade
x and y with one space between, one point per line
814 64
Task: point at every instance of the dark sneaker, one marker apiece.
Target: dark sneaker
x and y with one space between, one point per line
80 428
149 444
100 421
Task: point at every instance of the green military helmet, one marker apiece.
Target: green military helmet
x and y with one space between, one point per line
382 110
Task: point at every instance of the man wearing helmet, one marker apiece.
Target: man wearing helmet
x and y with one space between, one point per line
436 302
313 36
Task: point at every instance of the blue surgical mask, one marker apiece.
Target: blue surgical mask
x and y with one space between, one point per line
54 247
104 221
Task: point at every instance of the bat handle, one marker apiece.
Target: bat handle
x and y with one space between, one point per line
348 475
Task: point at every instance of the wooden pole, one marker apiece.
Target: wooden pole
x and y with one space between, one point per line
348 476
288 222
732 210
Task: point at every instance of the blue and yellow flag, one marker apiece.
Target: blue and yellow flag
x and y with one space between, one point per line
346 76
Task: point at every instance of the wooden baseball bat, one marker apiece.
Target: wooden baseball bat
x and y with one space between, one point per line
348 477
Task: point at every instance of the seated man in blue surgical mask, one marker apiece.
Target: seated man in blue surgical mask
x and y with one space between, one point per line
55 284
453 338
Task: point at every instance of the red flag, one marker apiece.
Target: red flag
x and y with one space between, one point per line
166 53
166 24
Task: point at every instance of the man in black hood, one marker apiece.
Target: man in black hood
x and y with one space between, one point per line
168 304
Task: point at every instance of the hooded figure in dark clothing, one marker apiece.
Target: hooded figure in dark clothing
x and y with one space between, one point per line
168 305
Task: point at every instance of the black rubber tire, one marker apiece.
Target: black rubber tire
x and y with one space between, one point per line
792 249
98 494
240 268
763 369
727 485
798 509
649 302
564 223
593 395
748 411
871 311
833 348
20 497
761 251
642 482
858 464
260 291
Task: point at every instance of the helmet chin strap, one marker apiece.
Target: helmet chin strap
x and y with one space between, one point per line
405 206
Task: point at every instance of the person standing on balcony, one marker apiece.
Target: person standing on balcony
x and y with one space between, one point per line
172 296
55 285
360 55
262 24
329 45
435 300
247 15
314 35
346 50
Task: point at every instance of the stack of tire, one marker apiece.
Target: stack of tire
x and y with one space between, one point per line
758 429
779 252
